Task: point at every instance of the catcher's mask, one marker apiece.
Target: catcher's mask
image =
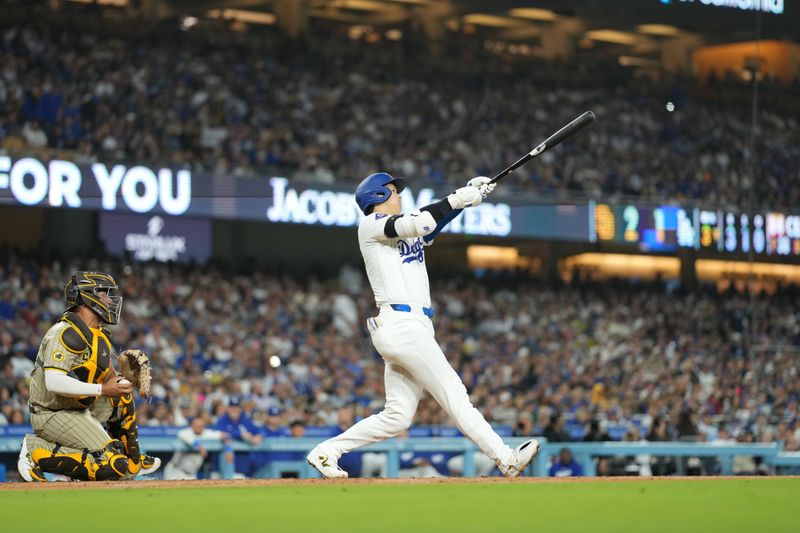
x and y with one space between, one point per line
97 291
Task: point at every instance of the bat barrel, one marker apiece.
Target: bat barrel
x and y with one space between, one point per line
578 124
571 128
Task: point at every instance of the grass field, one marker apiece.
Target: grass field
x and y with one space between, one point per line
729 505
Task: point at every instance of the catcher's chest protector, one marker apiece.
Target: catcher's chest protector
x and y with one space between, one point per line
95 360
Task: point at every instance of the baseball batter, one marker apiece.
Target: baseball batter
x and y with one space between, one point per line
392 247
75 389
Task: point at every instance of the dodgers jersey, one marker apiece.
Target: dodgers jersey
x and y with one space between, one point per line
395 267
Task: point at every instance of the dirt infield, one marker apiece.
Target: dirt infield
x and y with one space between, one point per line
244 483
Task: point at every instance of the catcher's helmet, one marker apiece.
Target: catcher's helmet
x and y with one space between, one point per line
85 288
373 190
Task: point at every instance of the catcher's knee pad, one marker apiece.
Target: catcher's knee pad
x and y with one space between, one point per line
114 463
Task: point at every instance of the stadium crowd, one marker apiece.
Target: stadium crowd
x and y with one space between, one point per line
329 108
581 361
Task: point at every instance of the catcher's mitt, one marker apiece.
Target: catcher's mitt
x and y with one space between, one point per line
135 367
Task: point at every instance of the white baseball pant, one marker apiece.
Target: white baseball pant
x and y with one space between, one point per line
415 363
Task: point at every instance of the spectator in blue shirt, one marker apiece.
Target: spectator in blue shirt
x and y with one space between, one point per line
239 426
275 426
565 466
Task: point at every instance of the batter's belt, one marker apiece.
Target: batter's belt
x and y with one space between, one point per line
39 410
410 308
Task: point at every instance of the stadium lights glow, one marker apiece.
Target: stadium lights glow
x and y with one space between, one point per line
361 5
494 21
117 3
479 256
241 15
533 13
612 36
633 61
660 30
625 265
357 31
394 34
714 269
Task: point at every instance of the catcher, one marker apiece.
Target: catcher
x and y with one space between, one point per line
75 390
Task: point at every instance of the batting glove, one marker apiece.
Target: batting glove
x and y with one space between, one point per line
465 197
484 185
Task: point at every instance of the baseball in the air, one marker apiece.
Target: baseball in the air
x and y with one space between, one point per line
124 382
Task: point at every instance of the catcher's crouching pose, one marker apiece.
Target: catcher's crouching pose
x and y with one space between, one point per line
75 390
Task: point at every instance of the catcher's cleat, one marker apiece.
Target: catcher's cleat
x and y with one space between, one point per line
520 458
325 465
146 465
37 475
149 464
28 470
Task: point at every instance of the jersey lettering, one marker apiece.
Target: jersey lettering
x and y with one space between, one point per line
411 253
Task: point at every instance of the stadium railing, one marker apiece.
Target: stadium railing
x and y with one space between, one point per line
771 454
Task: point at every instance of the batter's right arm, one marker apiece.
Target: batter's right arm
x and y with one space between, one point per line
423 223
405 226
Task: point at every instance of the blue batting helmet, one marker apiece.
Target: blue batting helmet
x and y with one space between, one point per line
373 190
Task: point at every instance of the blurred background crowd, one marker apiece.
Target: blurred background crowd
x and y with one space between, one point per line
335 109
584 361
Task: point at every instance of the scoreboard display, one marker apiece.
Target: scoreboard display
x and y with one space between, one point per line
161 195
667 228
770 233
654 229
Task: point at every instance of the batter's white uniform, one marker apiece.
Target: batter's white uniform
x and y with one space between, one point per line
414 360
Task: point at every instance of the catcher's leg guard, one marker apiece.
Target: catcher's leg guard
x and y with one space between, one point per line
110 465
122 426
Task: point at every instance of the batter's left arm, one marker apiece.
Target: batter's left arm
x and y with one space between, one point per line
428 239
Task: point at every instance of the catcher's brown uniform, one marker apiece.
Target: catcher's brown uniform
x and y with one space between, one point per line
70 438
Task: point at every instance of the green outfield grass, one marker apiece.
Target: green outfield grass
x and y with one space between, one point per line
724 505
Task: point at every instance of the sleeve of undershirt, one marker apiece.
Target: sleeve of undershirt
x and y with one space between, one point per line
58 382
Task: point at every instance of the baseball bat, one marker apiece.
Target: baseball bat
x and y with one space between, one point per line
571 128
